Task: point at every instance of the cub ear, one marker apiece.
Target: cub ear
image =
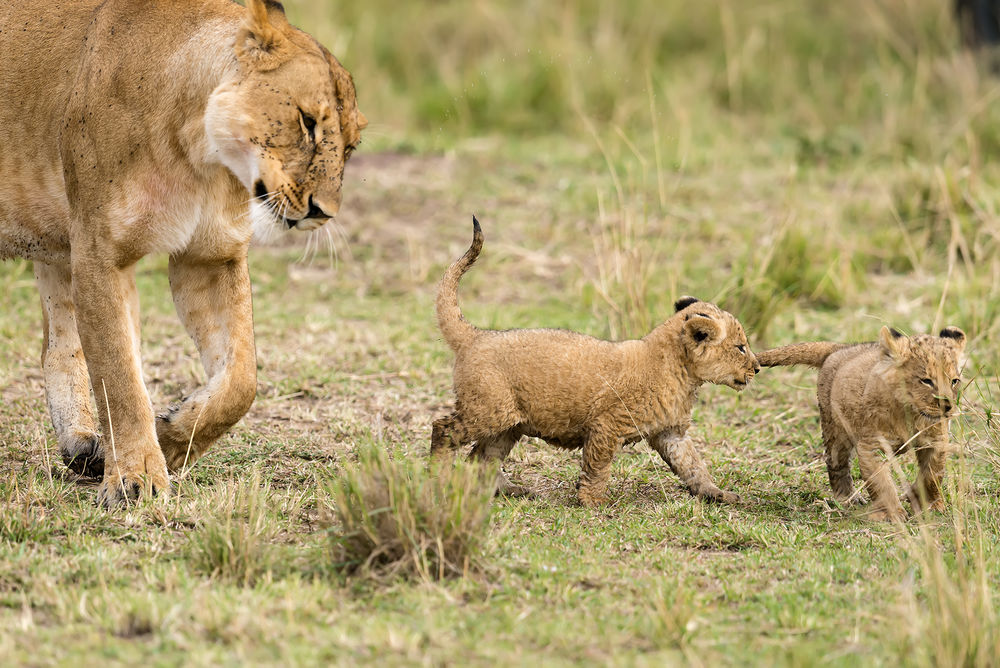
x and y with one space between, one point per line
261 43
684 302
702 328
954 333
893 342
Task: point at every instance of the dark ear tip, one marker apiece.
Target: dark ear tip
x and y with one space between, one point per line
684 302
896 334
952 333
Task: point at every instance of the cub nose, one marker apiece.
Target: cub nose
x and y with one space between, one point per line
946 406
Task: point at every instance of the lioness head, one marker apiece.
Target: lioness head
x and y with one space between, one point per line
287 123
926 369
716 344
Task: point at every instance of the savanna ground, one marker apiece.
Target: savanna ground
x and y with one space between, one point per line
817 168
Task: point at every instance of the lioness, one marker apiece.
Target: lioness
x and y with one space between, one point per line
878 398
131 127
575 391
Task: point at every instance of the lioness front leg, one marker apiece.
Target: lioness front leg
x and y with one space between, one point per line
680 454
67 387
104 296
214 303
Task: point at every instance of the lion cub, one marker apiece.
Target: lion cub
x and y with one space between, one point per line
878 398
575 391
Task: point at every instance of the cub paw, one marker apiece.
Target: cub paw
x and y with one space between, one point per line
83 454
589 500
887 516
512 490
716 495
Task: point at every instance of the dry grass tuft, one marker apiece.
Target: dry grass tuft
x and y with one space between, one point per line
950 605
234 542
397 517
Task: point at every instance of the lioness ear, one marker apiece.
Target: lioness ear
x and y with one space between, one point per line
956 334
702 328
261 43
894 343
352 121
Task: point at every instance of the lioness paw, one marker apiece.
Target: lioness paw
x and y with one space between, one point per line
83 454
123 490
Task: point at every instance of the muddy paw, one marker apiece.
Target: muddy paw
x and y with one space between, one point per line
123 490
83 454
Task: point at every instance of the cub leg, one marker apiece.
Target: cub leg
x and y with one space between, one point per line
878 480
926 490
67 387
497 448
599 451
680 454
449 434
104 295
838 448
212 298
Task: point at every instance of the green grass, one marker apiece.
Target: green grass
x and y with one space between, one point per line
817 168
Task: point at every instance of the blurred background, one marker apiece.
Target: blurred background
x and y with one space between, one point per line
766 153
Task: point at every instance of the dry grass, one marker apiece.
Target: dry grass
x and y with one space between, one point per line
233 539
397 517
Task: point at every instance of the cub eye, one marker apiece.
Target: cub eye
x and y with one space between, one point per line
308 125
954 382
927 381
742 349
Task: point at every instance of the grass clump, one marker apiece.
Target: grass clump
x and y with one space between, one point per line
23 515
234 543
399 517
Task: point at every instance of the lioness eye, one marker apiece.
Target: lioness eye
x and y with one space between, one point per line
927 381
309 125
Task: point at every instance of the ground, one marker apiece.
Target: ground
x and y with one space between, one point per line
844 192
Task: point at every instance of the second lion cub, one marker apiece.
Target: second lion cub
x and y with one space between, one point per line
575 391
878 399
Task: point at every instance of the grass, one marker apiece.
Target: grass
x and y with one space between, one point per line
392 517
817 168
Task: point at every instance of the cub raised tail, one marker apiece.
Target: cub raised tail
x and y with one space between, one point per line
812 354
456 329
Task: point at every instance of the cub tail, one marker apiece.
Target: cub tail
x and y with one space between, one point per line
811 354
456 329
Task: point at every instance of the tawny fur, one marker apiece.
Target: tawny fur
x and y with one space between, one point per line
575 391
879 399
130 128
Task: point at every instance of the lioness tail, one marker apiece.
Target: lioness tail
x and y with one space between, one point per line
456 329
812 354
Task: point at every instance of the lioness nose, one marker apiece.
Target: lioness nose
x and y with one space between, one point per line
315 211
